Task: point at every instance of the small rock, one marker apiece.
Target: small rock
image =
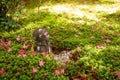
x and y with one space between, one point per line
63 57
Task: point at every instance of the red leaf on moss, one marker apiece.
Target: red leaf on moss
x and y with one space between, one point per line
9 49
41 63
62 70
18 38
22 53
6 45
56 72
117 75
44 53
108 41
92 37
25 46
2 71
24 38
3 43
104 37
33 53
9 43
100 46
34 70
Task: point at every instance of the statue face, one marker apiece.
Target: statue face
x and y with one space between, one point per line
40 34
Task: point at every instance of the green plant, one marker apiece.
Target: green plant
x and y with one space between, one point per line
7 10
7 23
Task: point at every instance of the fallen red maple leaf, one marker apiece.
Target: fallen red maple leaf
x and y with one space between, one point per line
117 75
24 38
108 41
4 44
25 46
92 37
41 63
9 49
2 71
34 70
104 37
18 38
57 72
22 53
9 43
62 70
44 53
101 46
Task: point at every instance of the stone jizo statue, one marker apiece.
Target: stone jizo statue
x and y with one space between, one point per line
41 40
42 44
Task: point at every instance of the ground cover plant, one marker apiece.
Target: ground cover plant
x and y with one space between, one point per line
90 29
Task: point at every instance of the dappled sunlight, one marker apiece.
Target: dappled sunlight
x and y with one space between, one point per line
107 8
60 8
81 10
70 9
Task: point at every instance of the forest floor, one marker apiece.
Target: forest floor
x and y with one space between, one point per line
91 31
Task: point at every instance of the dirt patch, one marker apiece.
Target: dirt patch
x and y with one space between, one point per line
58 50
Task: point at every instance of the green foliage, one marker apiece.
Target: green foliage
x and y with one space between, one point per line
10 6
21 68
7 10
7 23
